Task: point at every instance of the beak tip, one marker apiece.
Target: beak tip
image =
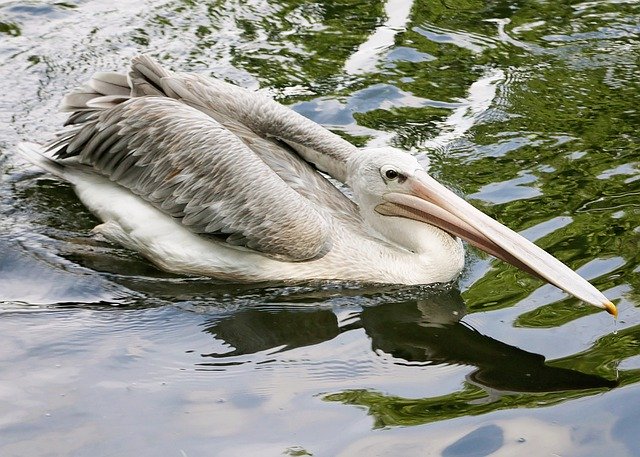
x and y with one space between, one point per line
611 308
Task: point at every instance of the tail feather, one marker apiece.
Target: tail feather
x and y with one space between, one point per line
35 154
146 76
106 102
77 100
103 90
110 84
107 89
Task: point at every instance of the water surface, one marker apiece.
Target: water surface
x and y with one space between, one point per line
528 108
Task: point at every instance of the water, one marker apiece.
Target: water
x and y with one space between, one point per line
528 108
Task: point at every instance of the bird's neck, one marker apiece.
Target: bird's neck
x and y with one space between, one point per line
412 236
426 249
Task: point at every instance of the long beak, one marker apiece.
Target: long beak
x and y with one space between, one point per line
432 203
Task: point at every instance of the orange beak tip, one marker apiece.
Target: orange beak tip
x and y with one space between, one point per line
611 309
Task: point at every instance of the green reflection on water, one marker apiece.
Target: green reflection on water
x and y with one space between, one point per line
471 400
503 376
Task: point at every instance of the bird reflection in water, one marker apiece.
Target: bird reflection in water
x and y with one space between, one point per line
425 330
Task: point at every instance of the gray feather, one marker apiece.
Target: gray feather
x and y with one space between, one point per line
106 101
110 84
77 100
228 184
114 79
212 157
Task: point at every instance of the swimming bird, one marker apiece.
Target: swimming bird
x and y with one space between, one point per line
206 178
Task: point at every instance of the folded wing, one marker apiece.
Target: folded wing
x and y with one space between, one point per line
245 112
193 168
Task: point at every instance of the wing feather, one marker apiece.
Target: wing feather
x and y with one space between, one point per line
280 136
234 106
191 167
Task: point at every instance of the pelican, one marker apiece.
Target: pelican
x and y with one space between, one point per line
203 177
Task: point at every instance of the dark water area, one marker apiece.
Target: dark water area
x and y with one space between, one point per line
530 109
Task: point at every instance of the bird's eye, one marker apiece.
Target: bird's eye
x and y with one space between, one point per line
391 174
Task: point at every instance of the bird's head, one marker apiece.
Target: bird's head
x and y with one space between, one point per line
376 172
390 184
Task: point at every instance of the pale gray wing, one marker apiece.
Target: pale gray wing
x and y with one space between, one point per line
191 167
241 111
286 141
305 179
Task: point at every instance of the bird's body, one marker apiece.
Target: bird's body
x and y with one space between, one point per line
353 256
205 178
